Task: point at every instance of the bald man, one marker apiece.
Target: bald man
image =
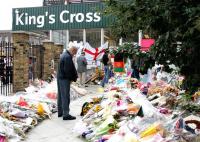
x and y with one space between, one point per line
66 74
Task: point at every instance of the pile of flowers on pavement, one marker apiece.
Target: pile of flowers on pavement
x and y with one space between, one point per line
132 111
24 110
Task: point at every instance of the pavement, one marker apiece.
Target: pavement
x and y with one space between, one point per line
57 130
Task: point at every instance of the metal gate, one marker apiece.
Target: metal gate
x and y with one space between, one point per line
6 68
36 62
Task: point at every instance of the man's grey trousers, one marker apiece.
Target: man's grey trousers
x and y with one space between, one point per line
63 98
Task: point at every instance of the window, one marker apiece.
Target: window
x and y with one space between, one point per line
93 37
59 36
76 35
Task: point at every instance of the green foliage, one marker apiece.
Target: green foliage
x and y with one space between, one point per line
186 103
131 51
174 24
128 50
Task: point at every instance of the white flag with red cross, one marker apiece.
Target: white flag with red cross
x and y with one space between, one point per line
94 53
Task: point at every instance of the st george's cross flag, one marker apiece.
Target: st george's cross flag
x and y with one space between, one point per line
94 54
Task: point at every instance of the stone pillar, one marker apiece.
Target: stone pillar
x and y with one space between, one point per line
48 57
58 51
20 61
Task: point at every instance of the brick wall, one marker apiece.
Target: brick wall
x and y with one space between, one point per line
48 56
20 61
58 51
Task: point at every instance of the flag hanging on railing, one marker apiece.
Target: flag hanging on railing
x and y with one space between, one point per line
94 53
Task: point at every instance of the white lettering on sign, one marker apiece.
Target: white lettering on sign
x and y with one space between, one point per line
80 17
65 17
32 20
51 19
97 17
18 18
72 17
40 21
62 16
26 19
89 17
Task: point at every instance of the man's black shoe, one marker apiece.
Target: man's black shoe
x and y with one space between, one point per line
69 117
60 115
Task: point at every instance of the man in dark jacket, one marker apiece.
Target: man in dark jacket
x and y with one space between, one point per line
66 74
106 62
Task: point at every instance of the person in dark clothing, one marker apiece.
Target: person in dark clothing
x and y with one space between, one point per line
65 75
106 62
2 71
135 70
105 59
